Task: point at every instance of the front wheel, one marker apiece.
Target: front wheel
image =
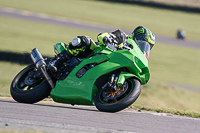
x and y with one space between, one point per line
27 89
124 96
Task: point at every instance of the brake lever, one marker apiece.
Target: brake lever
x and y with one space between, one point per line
126 47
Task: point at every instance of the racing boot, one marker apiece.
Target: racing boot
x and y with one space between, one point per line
57 62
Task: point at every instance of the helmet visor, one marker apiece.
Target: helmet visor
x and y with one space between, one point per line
144 46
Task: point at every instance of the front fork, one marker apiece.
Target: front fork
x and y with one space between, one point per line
41 65
112 84
117 80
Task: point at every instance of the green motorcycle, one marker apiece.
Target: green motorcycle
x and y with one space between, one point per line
110 79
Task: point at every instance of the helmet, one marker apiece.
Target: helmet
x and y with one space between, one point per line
143 34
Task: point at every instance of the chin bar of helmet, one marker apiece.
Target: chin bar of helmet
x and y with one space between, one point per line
41 65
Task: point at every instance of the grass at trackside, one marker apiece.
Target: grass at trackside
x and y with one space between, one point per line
160 97
171 111
160 21
174 64
167 63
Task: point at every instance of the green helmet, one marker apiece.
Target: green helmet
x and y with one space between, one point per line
143 34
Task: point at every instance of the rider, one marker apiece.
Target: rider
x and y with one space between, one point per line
82 46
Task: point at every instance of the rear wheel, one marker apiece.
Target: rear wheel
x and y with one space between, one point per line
124 96
27 89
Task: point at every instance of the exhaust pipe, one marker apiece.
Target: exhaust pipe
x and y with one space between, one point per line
37 58
41 65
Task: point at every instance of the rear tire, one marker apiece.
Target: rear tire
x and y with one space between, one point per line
35 93
118 103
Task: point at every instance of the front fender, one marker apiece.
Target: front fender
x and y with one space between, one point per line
123 76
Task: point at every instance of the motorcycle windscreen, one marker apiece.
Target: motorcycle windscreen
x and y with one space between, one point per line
144 46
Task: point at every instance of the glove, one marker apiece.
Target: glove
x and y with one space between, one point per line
107 40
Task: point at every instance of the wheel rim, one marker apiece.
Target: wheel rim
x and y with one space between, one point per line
25 83
111 97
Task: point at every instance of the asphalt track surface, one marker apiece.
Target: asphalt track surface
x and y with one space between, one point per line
65 118
67 22
51 117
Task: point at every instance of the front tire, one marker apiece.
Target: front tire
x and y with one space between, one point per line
35 91
117 102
